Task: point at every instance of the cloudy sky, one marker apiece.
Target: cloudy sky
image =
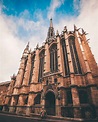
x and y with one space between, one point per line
28 20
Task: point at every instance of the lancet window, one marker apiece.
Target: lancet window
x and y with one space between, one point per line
74 55
65 57
41 65
53 58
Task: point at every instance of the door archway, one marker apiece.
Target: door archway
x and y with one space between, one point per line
50 103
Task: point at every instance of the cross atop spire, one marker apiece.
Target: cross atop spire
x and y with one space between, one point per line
51 24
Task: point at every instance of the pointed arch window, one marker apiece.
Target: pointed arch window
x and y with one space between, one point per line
32 67
41 65
53 58
74 55
65 57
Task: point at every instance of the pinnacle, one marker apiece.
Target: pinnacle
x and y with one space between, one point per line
75 28
51 24
57 33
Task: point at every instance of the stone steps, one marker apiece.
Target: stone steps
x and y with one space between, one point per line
37 118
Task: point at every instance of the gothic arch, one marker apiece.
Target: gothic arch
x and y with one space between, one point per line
70 35
41 51
50 90
50 102
53 43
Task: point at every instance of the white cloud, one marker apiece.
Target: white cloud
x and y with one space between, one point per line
10 48
53 6
16 32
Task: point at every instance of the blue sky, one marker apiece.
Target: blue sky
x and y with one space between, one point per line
28 20
16 7
34 10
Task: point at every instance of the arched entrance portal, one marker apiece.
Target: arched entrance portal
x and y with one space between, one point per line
50 103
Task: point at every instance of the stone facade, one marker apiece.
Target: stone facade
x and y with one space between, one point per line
60 77
3 90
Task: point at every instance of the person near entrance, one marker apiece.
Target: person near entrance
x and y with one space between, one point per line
43 113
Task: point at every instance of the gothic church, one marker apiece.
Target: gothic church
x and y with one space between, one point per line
60 77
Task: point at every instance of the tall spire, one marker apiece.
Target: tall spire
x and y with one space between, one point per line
51 24
51 33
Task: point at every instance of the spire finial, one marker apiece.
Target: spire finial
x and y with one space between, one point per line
51 24
65 29
57 33
26 50
83 31
37 46
75 28
13 77
27 47
30 50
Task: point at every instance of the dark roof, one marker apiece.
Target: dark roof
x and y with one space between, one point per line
4 83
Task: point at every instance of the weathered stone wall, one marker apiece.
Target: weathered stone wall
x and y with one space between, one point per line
3 91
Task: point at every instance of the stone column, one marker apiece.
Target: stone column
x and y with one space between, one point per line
92 76
36 68
27 71
59 53
20 104
84 61
91 68
63 97
24 84
13 105
74 90
30 103
21 71
58 107
9 93
10 89
43 97
76 102
88 69
90 58
47 59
